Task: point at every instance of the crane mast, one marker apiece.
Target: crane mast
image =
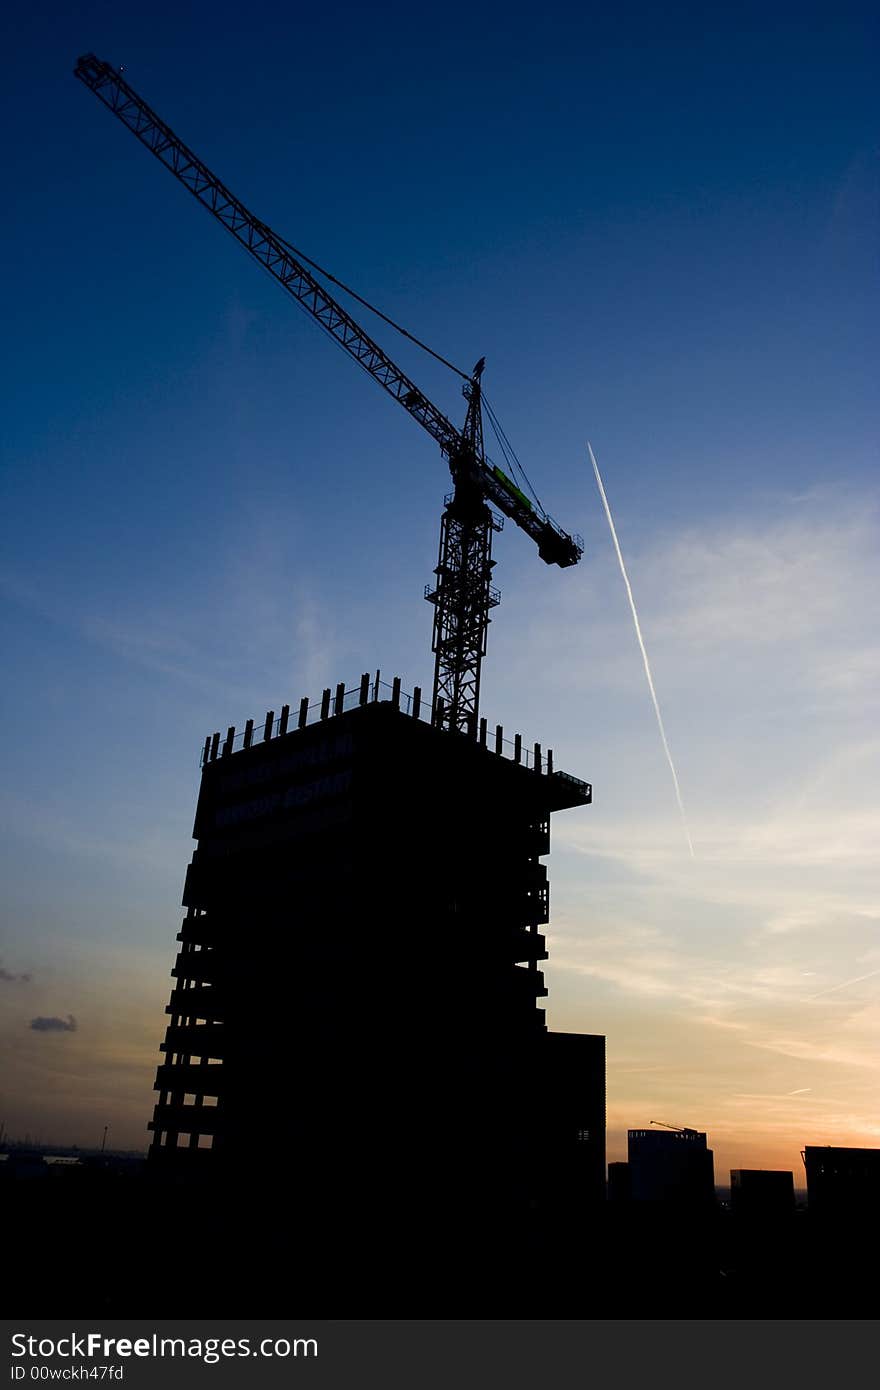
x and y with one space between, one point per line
463 595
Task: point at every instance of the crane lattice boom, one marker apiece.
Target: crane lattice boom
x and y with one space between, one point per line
463 596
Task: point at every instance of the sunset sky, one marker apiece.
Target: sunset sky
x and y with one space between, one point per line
660 228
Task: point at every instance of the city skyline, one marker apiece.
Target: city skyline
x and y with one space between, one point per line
209 513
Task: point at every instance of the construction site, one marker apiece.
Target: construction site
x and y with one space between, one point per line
354 1104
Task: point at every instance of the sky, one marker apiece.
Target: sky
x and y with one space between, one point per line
659 225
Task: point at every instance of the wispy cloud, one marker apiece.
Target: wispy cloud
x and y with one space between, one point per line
810 1050
274 628
787 579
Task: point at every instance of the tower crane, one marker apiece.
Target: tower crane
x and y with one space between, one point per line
679 1129
463 595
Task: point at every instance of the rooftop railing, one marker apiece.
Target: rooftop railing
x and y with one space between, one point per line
373 690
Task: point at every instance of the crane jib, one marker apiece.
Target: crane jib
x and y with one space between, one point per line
554 545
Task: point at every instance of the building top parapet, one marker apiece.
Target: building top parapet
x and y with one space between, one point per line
373 690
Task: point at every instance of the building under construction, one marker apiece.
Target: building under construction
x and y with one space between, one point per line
358 989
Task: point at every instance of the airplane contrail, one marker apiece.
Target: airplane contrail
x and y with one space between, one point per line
843 984
632 605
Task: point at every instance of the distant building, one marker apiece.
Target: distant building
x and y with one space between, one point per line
761 1192
842 1180
671 1166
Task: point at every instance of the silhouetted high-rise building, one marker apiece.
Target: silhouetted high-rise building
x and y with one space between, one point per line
358 989
843 1180
670 1165
761 1192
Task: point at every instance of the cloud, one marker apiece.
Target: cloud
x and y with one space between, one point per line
806 1050
8 977
54 1025
789 578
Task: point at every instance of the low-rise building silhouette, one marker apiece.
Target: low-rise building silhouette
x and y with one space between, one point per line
842 1180
673 1166
761 1192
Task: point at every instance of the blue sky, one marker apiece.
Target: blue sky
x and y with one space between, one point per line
660 227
